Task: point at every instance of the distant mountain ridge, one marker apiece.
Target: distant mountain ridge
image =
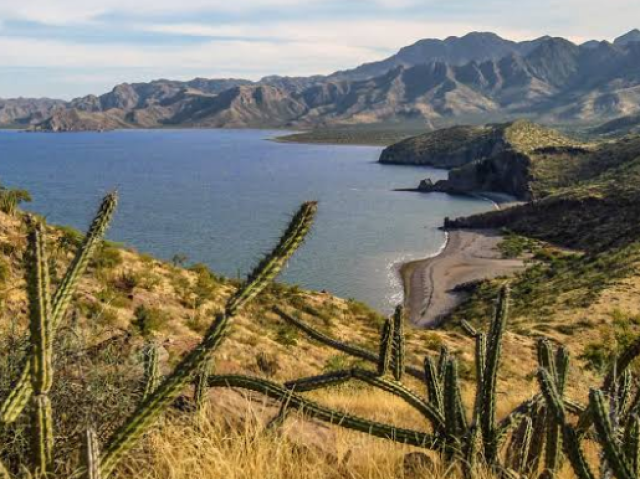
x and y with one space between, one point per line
479 77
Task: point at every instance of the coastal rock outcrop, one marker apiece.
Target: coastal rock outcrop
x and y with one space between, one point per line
500 158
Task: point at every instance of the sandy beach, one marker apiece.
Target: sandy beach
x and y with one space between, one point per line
469 255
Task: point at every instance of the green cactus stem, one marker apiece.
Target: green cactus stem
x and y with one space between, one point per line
386 348
151 369
322 413
22 390
91 456
606 433
398 344
151 408
200 389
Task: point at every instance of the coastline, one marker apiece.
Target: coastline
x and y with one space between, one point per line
467 256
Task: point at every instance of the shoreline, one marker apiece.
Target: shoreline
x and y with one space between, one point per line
467 256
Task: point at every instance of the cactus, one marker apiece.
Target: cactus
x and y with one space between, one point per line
612 449
454 437
386 348
200 389
41 350
22 391
35 382
398 344
151 370
91 456
153 406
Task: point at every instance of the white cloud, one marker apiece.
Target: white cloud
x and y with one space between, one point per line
371 34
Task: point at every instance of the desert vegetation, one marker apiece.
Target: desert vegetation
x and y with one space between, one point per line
144 421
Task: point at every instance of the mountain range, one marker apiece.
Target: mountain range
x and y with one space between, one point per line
474 78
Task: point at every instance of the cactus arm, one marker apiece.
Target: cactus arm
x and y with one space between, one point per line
562 368
546 358
41 350
151 370
434 387
386 348
340 377
93 239
152 407
467 328
525 446
472 449
551 395
494 348
271 265
91 456
553 451
481 356
18 398
455 419
317 411
200 390
349 349
313 383
604 428
397 389
575 454
632 444
624 391
442 362
22 391
398 344
621 365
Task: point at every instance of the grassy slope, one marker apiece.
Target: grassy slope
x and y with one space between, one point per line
177 304
588 300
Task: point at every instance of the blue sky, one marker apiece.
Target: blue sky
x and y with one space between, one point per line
70 48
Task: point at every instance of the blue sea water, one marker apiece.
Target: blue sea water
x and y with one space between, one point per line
222 197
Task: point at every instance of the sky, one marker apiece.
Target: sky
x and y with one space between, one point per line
71 48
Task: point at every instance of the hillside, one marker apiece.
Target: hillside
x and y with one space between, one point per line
476 78
517 158
620 126
589 202
128 299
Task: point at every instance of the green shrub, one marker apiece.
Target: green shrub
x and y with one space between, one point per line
107 257
148 320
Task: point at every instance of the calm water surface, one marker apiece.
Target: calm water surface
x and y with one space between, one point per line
222 197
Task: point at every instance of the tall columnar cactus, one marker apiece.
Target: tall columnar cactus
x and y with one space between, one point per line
22 391
46 315
557 366
153 406
41 331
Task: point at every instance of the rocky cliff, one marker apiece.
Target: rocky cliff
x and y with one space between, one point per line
510 158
